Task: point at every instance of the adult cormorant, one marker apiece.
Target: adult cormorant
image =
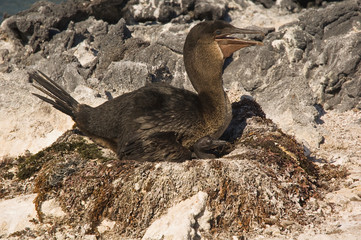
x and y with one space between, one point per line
159 122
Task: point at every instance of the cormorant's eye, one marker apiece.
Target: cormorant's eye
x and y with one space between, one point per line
218 32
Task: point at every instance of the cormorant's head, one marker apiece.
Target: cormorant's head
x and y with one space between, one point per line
206 46
220 32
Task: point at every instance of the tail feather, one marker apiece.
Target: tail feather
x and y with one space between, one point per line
59 98
56 105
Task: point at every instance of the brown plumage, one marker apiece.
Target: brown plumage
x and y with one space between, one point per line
159 122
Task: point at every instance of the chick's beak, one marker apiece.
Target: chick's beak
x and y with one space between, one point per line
229 45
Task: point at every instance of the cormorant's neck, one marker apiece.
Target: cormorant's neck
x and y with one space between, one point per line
204 66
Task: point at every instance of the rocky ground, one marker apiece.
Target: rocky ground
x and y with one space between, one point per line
292 169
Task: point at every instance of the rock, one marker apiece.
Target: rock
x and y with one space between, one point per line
125 76
181 220
71 72
25 28
109 45
210 10
16 213
290 5
296 71
161 57
156 10
265 84
164 12
265 3
90 237
335 70
108 10
52 208
85 55
29 131
105 225
167 35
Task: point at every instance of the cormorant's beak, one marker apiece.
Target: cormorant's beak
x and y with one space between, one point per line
229 45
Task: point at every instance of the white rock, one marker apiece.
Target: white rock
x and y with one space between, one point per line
180 220
26 122
90 237
106 225
248 13
15 214
84 54
86 95
52 208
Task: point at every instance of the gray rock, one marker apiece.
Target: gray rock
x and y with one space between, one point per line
293 5
110 11
172 37
110 44
290 5
315 61
265 3
162 11
159 56
125 76
165 11
40 23
210 10
71 72
335 54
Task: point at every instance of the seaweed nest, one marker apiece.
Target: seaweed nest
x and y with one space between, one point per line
265 181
